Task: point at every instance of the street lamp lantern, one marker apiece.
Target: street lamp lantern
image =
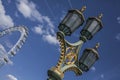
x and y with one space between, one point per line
89 57
73 20
93 25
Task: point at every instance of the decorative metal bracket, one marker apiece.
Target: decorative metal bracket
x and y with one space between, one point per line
68 60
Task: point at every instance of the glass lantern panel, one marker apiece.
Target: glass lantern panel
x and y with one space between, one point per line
71 20
96 29
89 59
83 57
86 61
92 60
76 24
87 25
67 17
92 26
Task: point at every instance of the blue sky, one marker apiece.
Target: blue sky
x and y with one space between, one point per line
41 50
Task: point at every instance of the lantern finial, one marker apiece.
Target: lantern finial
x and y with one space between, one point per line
83 9
100 16
97 46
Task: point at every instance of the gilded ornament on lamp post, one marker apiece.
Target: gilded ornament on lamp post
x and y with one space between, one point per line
70 51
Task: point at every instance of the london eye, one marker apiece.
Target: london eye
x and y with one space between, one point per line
6 56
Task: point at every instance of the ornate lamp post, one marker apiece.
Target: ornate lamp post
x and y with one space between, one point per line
70 51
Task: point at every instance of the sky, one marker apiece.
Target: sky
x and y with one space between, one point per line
41 49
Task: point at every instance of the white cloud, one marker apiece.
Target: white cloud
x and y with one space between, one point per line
45 33
50 39
93 68
118 36
5 20
2 48
38 29
102 75
28 9
11 77
8 44
48 21
118 19
45 27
